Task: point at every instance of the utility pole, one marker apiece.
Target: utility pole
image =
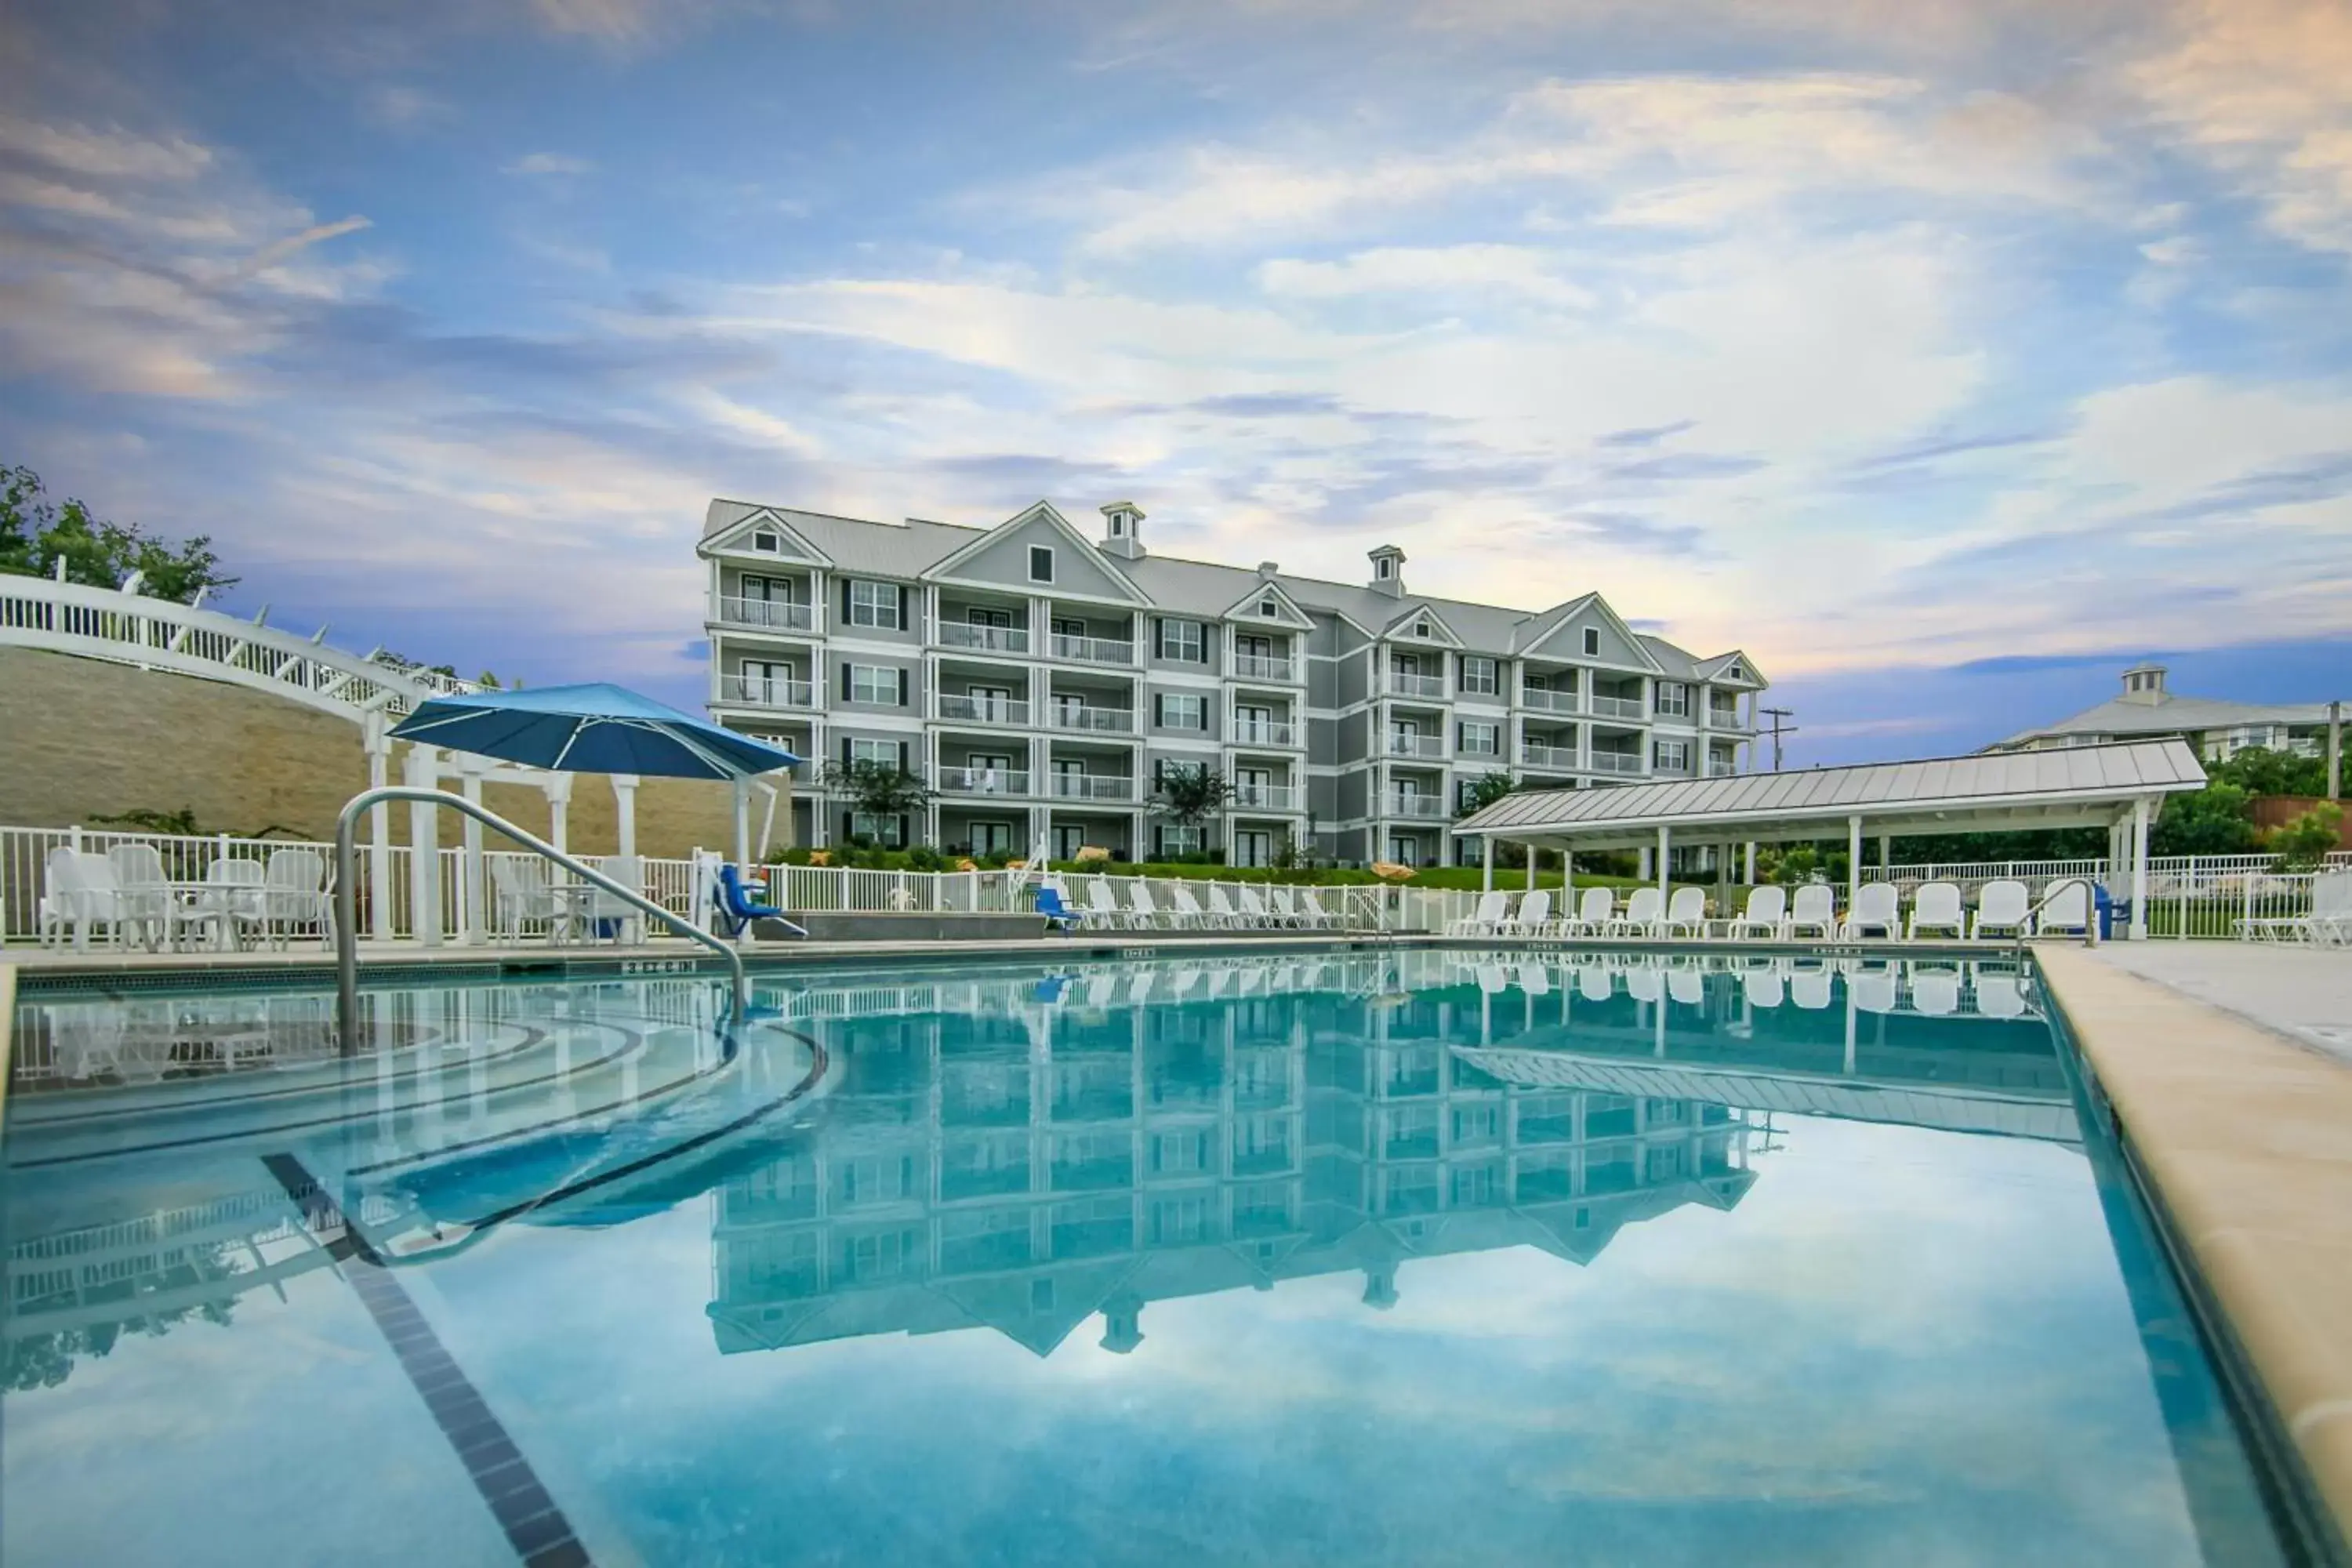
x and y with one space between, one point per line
2334 749
1779 730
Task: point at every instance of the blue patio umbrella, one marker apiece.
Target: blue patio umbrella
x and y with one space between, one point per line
593 728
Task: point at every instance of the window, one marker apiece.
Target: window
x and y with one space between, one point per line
1253 646
875 605
1384 567
1069 627
1167 768
976 616
1591 642
881 829
1670 756
1736 672
1180 839
887 753
875 683
1268 610
1182 640
1480 677
1041 564
1181 711
766 543
1480 739
1674 699
1464 792
1420 628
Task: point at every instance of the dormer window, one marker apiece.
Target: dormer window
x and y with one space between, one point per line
1736 672
1591 642
1420 628
1041 564
1384 567
1269 609
1118 525
766 543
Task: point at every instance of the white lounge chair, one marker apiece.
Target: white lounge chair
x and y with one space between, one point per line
1938 906
1142 909
1875 907
1317 915
1934 991
142 892
1533 917
1766 914
1596 982
1644 913
1872 987
2328 924
1687 913
1103 913
1761 987
2000 993
1188 912
1594 911
1255 909
2006 905
1809 987
1645 981
294 897
2064 906
1815 911
1482 920
1686 985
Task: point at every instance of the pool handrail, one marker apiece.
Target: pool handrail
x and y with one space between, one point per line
347 957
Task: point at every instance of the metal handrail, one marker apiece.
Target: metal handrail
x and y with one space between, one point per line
347 953
2049 896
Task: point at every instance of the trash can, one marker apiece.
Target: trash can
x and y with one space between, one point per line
2103 904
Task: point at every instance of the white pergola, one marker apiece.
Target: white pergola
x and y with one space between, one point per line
2121 788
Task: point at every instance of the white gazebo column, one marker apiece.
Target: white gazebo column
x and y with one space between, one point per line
625 806
2139 869
423 770
1665 842
1531 862
1852 861
1750 878
1487 860
379 756
742 787
558 789
471 899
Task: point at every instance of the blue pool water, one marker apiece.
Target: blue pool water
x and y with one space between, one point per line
1375 1258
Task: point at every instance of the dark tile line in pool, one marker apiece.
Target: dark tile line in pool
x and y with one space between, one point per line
534 1525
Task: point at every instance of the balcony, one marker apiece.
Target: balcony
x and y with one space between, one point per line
1416 746
1549 700
1561 759
1398 683
982 781
963 709
1088 717
1266 797
1618 708
1616 762
768 615
1265 666
1089 787
1721 768
1093 650
1264 733
988 639
1419 805
766 691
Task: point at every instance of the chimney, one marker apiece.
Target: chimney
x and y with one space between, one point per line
1388 571
2144 683
1123 529
1268 570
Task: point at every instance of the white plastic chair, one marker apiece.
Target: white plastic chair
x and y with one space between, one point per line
1644 912
1938 906
1187 911
521 896
1875 907
1761 987
1815 911
1686 985
144 892
1594 910
1253 909
630 872
1221 907
1934 992
2001 994
1142 911
1313 911
1873 988
1809 986
229 903
2065 907
1102 905
294 897
2005 905
1596 982
1533 917
1482 920
1687 912
1766 914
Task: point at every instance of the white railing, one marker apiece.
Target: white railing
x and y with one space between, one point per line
1416 746
1264 733
767 691
1087 716
1403 683
1551 701
769 615
1725 719
1617 708
993 639
1539 756
1093 650
1721 770
1090 787
1265 666
1427 805
1266 797
957 706
1616 762
982 781
2194 866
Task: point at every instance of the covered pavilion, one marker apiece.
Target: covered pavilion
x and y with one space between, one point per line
2121 788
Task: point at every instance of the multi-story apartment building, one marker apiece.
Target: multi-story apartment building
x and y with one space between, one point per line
2218 728
1043 683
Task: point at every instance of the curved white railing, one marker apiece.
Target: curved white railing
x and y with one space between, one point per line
187 639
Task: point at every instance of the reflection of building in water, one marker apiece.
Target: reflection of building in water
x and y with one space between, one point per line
1025 1168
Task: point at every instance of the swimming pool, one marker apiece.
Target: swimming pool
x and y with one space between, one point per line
1387 1258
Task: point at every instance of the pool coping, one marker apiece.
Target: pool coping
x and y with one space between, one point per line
2245 1137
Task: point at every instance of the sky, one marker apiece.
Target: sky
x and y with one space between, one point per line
1944 356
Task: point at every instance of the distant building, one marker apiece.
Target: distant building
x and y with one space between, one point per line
2146 710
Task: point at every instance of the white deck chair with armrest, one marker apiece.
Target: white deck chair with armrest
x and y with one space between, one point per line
1766 914
1644 913
1762 987
1938 906
1533 917
1687 912
1686 985
629 871
2064 906
1254 907
1809 986
2328 923
144 892
1103 913
293 898
1814 911
1222 912
2005 905
1318 917
1596 982
1877 907
1594 911
1935 990
1872 987
1188 912
1482 919
1143 910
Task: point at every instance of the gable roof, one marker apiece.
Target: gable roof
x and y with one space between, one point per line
2173 716
1245 609
1038 511
1400 627
736 534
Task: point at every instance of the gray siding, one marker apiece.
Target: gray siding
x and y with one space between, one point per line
1355 732
1003 561
1355 794
1323 741
1323 797
1354 678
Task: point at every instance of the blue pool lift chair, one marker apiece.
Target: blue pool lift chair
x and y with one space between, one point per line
1058 916
736 909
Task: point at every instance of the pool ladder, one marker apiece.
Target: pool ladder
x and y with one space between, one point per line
347 958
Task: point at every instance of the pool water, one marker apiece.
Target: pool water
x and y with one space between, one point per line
1404 1257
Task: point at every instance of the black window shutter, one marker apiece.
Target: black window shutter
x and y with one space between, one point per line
844 601
902 691
1158 711
845 751
902 756
846 689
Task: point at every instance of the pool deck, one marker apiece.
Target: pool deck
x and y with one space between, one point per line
2228 1068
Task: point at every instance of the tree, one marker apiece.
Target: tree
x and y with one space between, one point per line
2215 820
876 788
2260 771
2302 843
1483 793
36 534
1189 796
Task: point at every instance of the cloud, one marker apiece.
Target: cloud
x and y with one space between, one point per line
270 255
1647 435
550 163
400 107
1506 268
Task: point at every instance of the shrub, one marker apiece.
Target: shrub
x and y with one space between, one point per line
2303 843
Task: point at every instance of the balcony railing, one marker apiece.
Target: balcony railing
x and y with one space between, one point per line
1402 683
773 615
1617 708
1264 667
1616 762
1089 787
1547 700
1416 746
1266 797
1721 768
766 691
982 781
1416 805
991 639
1725 718
1093 650
1562 758
982 710
1087 716
1264 733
